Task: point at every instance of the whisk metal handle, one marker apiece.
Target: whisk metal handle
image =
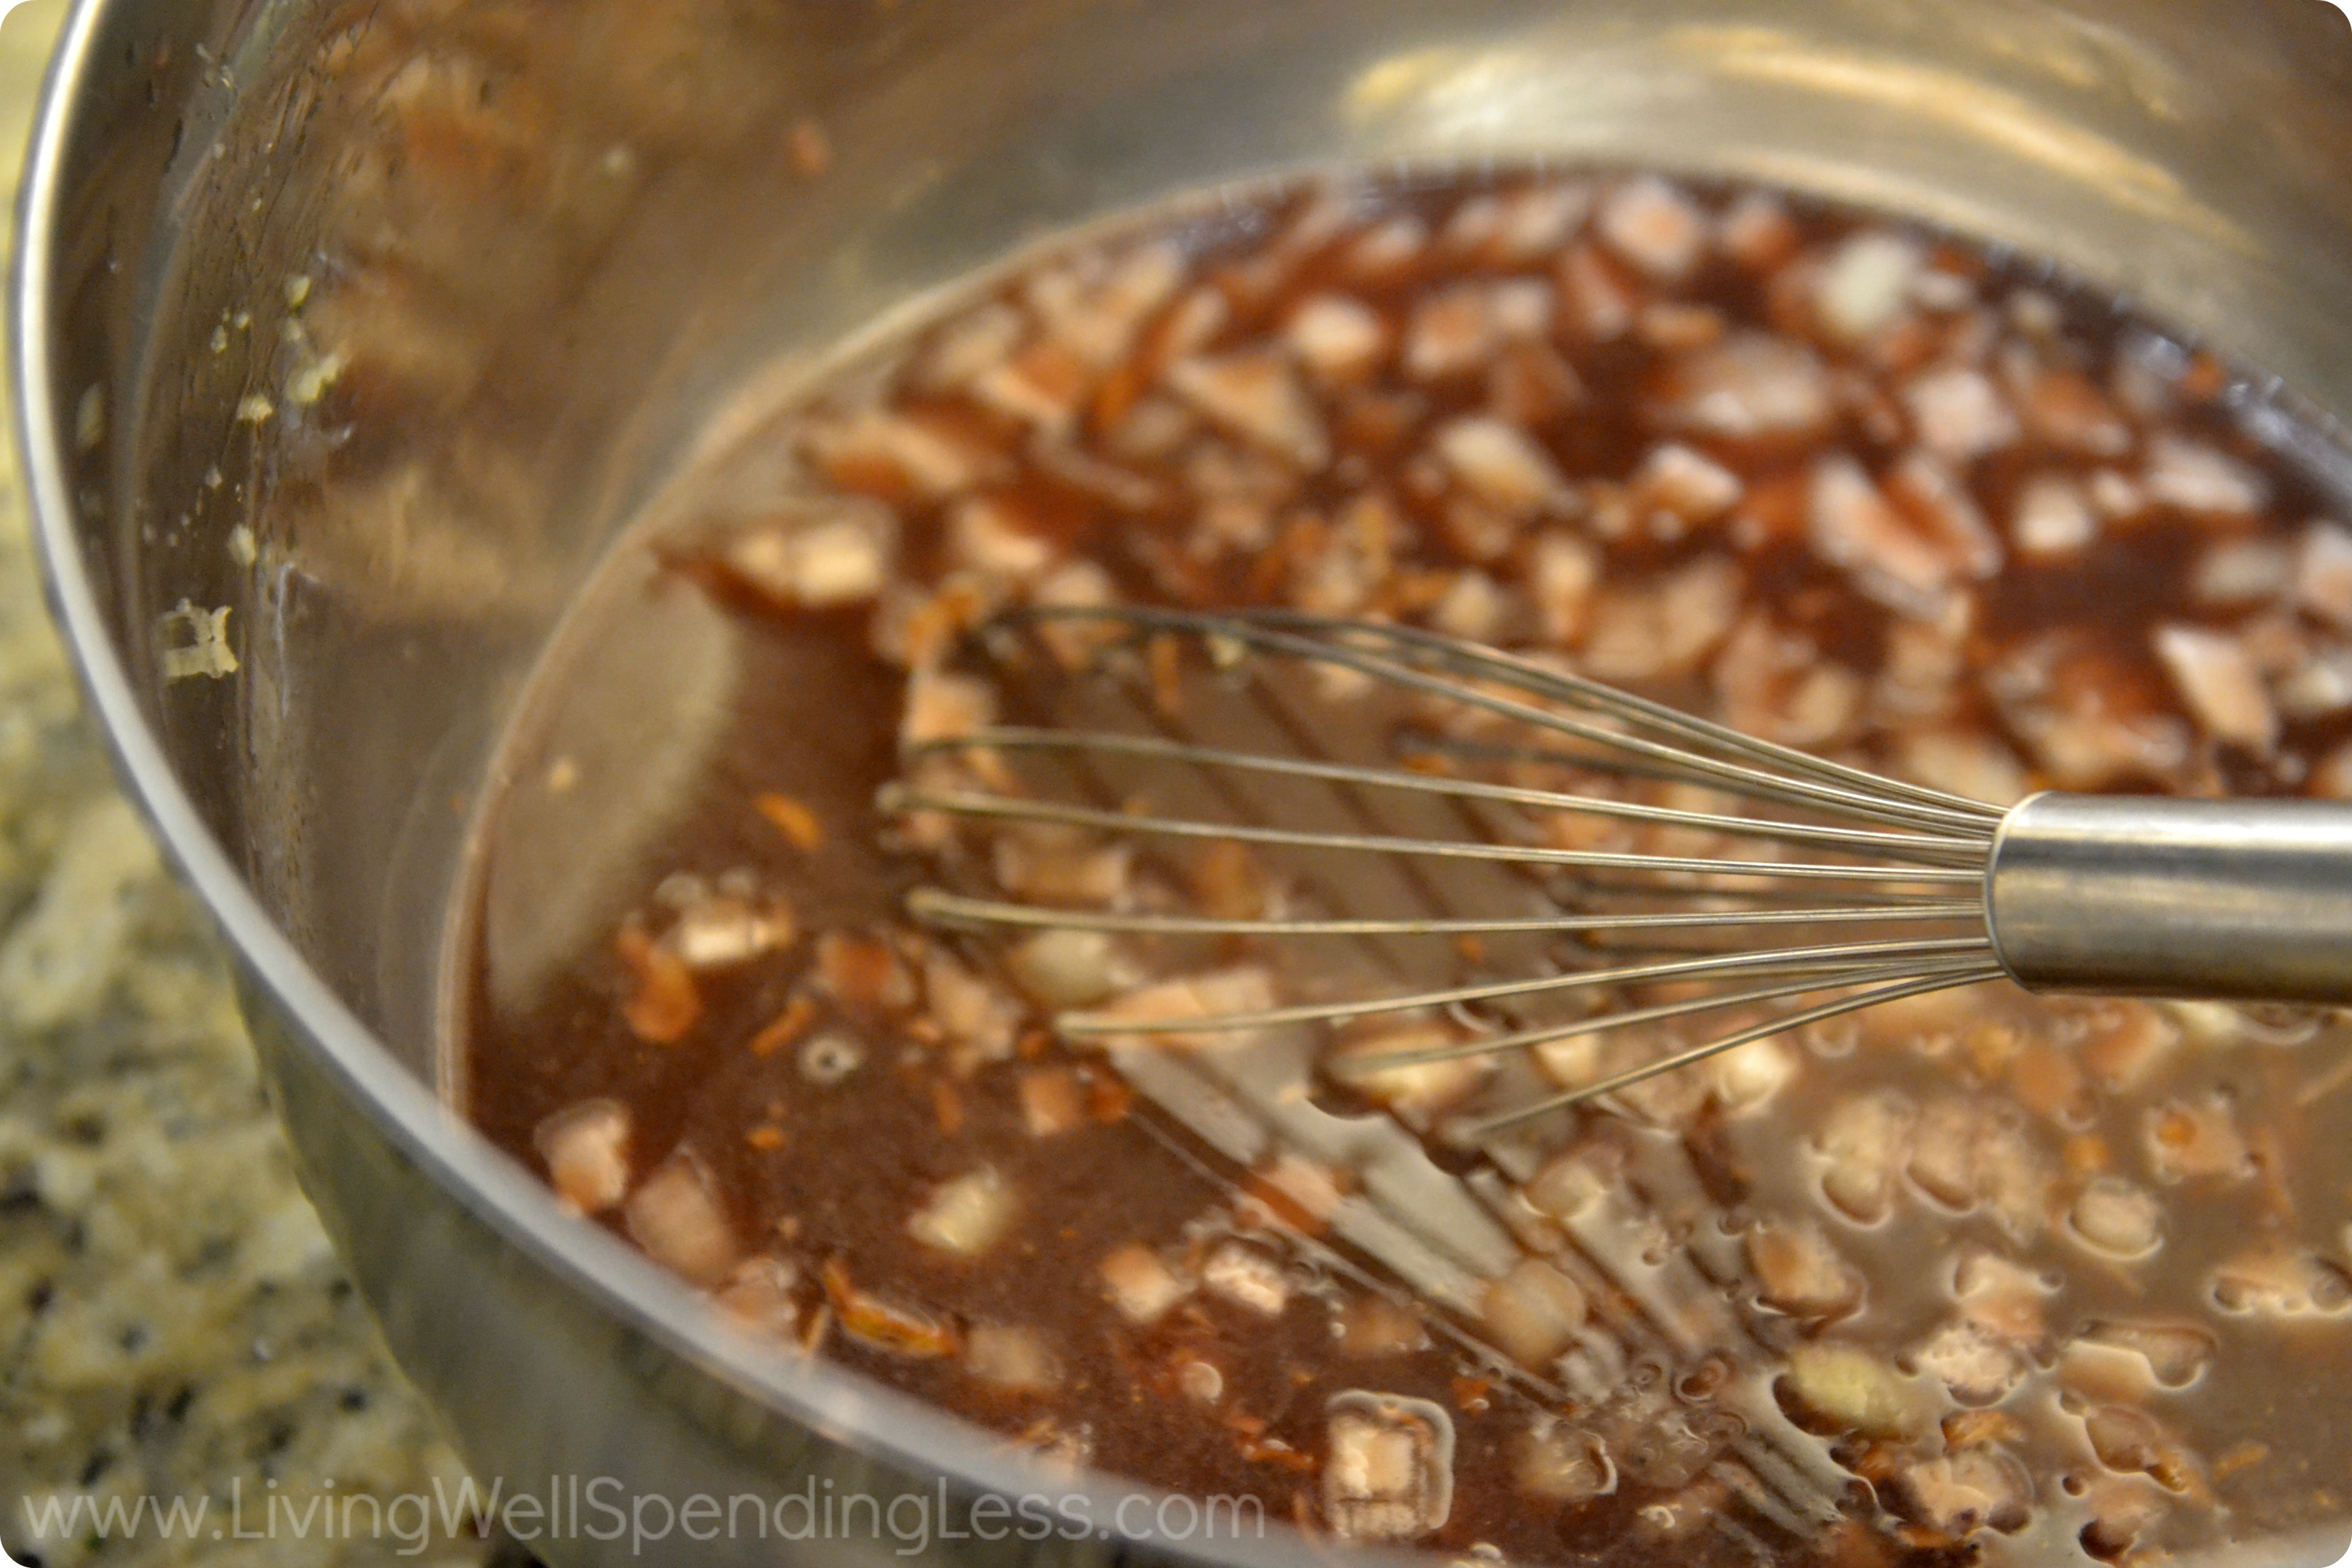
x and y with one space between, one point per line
2228 900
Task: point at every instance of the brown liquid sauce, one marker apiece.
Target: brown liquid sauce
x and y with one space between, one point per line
1972 1276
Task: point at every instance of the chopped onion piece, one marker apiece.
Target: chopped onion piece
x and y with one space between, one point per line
966 1215
2234 572
1388 1468
1141 1287
1259 398
1415 1091
1247 1278
942 707
2198 1138
722 932
2220 686
1868 282
1798 1271
1451 334
1965 762
1533 1312
1976 1488
1501 465
1051 1103
1959 415
586 1147
1854 1390
1066 968
663 1004
987 535
1686 483
1664 626
969 1007
1338 338
2323 579
1977 1365
1750 386
2118 1218
760 1294
1065 870
1557 1463
2279 1279
1013 1359
821 563
1655 225
1564 573
1853 527
1246 989
2176 1354
2053 517
2196 478
1567 1187
1865 1141
917 454
675 1217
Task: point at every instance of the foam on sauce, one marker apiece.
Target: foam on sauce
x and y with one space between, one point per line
1977 1273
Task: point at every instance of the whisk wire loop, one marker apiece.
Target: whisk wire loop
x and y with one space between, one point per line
899 799
1903 863
1921 848
1562 686
1840 958
936 907
1359 1062
1804 780
1475 1131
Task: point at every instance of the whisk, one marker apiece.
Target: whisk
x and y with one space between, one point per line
1247 720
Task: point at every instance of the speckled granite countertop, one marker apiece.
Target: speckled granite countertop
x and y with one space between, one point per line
173 1327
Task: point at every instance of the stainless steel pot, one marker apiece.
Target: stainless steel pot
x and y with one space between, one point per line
549 240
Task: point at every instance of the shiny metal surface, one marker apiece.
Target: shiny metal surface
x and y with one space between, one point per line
595 296
2238 900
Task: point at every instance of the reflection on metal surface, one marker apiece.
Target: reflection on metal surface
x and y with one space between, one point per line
1391 82
1993 115
1604 91
1593 95
646 708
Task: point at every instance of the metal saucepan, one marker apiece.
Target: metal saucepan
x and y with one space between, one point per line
576 229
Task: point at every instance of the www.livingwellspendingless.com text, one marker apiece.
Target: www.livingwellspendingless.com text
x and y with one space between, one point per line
602 1508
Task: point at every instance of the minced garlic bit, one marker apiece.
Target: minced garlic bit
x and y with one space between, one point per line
309 380
89 419
965 1215
1247 1278
1140 1286
586 1147
195 642
1387 1469
678 1218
